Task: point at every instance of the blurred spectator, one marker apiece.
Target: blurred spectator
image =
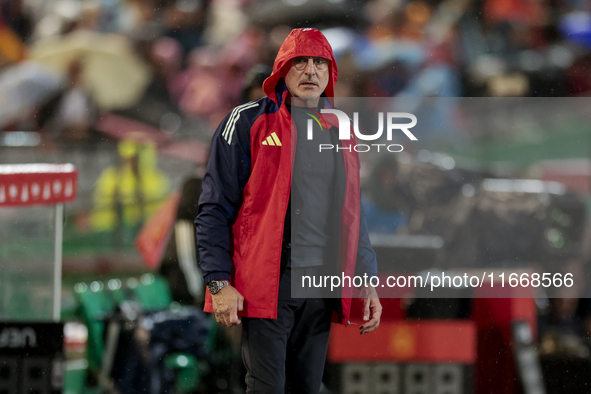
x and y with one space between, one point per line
70 114
561 331
13 14
206 94
184 21
164 56
12 48
253 83
126 194
180 261
387 207
226 20
167 59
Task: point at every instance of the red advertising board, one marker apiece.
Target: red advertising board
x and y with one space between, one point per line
37 184
432 341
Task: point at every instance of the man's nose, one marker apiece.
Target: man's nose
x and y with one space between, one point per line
310 67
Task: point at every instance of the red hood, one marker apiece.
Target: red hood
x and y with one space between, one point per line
301 42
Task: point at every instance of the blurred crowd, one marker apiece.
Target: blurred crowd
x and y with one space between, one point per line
161 72
170 63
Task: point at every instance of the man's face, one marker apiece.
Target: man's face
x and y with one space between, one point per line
307 78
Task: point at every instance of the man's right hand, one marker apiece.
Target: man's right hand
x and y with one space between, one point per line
226 304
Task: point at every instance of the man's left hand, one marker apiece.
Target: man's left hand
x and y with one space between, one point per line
372 310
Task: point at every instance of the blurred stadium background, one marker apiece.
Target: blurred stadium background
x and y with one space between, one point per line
130 92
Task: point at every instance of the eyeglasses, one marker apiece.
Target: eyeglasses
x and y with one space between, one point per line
301 62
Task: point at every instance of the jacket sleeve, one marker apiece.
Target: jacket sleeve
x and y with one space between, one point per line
366 257
228 169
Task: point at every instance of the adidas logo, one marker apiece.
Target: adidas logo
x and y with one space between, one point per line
272 140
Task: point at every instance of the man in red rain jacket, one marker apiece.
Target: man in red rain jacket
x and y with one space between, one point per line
260 196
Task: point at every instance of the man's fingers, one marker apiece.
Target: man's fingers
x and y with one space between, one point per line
226 304
372 308
233 317
370 325
235 321
377 312
222 320
229 320
365 325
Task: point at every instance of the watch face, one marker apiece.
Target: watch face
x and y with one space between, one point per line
214 287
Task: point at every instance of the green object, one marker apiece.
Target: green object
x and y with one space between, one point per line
98 300
152 293
94 306
75 377
116 291
187 377
27 262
